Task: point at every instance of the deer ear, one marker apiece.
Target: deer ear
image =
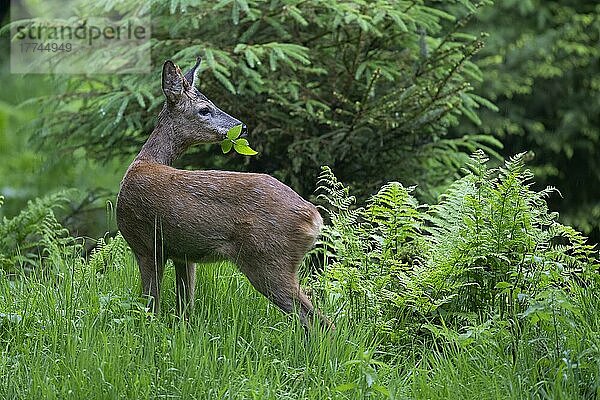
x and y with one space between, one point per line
172 81
192 73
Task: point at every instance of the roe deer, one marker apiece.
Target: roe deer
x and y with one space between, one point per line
251 219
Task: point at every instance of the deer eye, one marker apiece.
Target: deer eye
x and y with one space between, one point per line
204 111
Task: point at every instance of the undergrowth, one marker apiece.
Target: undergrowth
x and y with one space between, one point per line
36 234
483 295
490 247
489 261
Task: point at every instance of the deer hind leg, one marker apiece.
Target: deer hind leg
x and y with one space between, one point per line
282 288
151 272
185 285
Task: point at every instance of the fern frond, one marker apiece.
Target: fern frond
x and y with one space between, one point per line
109 253
35 234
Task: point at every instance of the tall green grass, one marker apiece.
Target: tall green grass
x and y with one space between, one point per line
85 334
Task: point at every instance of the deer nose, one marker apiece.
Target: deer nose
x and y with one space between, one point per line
244 130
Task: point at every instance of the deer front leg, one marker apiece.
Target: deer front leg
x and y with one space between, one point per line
185 285
151 273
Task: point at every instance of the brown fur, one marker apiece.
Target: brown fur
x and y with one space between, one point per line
253 220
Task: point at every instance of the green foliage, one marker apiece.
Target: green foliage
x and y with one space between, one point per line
496 235
540 67
35 236
110 252
368 249
366 382
234 141
489 247
27 172
370 88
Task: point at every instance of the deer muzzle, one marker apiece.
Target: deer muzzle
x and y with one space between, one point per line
244 131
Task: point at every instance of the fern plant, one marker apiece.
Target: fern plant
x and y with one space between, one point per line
35 235
109 252
341 243
496 236
487 249
369 249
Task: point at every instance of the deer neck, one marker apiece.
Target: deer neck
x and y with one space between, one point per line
163 146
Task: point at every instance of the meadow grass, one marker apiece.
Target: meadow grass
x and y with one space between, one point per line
85 334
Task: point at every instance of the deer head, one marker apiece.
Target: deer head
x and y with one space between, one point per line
191 114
